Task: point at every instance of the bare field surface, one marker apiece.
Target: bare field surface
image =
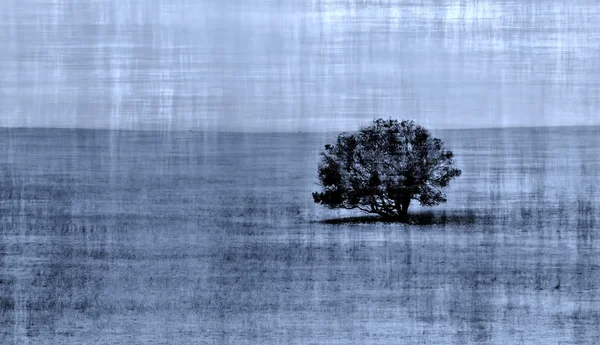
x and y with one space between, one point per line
123 237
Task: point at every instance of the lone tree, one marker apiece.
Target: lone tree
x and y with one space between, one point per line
383 167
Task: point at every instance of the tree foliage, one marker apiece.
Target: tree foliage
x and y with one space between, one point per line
383 167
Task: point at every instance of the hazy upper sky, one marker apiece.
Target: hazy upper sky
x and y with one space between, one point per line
274 65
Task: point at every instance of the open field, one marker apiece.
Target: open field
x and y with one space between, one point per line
122 237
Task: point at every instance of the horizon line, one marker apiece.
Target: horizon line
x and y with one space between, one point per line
279 132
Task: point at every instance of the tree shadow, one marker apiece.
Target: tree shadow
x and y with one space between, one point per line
419 218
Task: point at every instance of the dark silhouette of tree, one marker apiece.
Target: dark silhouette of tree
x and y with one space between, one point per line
383 167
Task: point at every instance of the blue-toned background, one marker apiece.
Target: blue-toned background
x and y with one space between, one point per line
298 65
147 221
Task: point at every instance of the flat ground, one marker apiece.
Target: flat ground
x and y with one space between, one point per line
175 238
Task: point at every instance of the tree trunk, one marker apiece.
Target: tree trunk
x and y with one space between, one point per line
402 208
405 204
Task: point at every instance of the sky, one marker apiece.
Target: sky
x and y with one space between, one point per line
298 65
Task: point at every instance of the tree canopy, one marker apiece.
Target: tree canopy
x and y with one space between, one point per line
383 167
